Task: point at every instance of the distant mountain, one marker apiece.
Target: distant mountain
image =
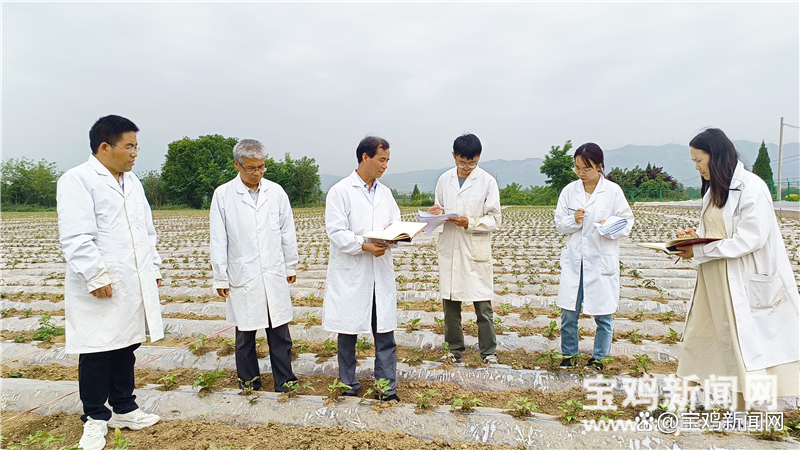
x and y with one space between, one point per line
674 158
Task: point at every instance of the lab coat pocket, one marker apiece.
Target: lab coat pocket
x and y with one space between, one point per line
235 272
765 291
481 246
475 208
608 265
274 221
345 261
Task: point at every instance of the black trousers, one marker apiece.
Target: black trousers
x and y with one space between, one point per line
280 357
107 376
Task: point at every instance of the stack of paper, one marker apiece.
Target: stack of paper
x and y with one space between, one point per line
433 220
612 225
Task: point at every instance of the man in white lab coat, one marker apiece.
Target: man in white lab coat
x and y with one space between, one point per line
360 292
465 246
254 257
112 278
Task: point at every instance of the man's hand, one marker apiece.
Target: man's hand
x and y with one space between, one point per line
687 233
291 279
460 221
102 292
435 209
602 222
158 282
375 248
223 292
579 215
687 253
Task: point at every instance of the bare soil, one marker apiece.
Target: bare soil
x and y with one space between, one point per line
197 435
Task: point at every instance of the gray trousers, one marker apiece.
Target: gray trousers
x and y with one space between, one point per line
280 357
385 357
454 334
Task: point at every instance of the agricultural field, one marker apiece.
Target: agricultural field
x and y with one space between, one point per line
525 401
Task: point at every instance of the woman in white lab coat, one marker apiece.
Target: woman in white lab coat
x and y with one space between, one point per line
743 320
590 261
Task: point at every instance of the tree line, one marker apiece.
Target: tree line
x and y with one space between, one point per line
192 170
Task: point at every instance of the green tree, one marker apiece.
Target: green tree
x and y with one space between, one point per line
195 167
153 188
648 183
30 183
415 194
512 194
298 177
558 166
762 166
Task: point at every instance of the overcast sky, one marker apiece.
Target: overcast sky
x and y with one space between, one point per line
314 78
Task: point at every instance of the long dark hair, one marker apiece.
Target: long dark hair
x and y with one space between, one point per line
724 158
591 153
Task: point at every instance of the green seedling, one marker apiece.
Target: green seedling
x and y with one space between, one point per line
416 360
466 403
667 317
634 335
295 386
168 381
643 363
310 319
362 345
424 398
121 443
382 387
499 326
635 273
639 316
200 342
523 407
412 325
329 348
614 415
364 398
7 311
505 308
28 312
298 347
168 329
553 359
227 341
36 440
551 331
247 386
47 329
206 381
672 336
570 409
336 389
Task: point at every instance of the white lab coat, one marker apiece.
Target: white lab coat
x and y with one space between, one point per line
352 272
766 303
253 250
465 255
598 254
107 237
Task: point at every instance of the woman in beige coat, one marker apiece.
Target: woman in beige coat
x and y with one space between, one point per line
743 321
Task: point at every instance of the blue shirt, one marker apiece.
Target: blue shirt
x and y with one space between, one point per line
370 191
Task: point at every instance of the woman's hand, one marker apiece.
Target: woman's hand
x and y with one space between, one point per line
687 233
579 215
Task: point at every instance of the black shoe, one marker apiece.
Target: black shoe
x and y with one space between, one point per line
388 398
595 364
568 362
350 394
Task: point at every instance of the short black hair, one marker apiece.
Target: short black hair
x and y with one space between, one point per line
109 129
370 146
467 146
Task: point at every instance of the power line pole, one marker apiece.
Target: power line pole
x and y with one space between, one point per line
780 161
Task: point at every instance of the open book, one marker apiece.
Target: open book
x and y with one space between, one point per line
671 247
398 231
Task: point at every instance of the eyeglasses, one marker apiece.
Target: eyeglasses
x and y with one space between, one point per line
584 170
261 169
461 165
130 150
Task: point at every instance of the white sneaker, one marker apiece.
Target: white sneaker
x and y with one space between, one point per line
491 359
135 420
94 434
